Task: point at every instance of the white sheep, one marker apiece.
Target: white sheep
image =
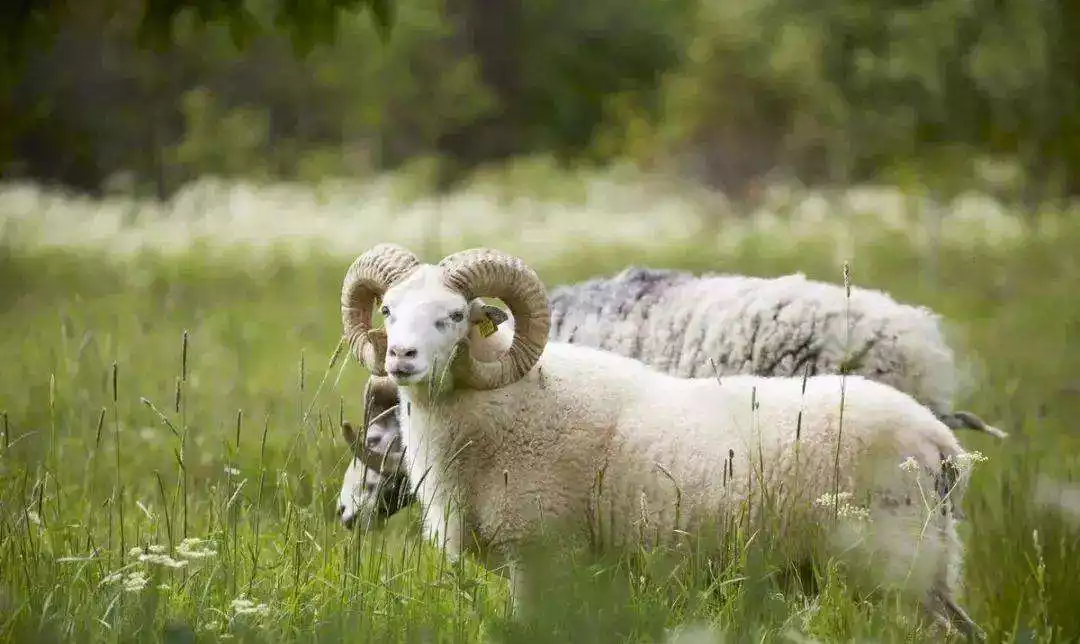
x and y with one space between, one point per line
700 326
502 448
376 484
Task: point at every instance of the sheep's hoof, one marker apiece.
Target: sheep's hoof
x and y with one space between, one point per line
953 618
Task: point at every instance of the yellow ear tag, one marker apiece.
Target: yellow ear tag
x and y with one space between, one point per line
486 326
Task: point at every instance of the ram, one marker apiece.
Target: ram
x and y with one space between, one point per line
501 448
699 326
376 484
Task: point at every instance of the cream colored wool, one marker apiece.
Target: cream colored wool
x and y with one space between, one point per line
702 325
500 449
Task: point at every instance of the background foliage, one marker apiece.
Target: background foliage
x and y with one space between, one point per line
723 92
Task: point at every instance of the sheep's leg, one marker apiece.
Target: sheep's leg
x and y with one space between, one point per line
943 609
967 420
959 618
518 590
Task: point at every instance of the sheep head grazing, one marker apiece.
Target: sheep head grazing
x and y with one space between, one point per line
374 486
430 311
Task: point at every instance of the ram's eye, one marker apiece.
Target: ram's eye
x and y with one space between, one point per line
457 316
385 310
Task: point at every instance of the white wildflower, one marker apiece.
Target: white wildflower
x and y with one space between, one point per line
854 512
34 517
966 461
135 582
162 560
910 464
243 606
843 508
829 499
196 548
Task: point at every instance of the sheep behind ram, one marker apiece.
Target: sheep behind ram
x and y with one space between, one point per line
697 326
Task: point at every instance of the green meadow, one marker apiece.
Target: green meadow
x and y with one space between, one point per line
170 458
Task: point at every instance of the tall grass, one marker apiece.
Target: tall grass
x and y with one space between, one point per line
170 459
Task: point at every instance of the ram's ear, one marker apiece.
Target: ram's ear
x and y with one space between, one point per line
349 434
486 317
495 314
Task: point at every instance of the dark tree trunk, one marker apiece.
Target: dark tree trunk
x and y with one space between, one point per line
491 31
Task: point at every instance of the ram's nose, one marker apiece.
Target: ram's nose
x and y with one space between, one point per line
401 351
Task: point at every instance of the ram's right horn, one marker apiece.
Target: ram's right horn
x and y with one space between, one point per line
365 283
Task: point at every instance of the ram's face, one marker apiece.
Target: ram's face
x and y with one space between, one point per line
424 321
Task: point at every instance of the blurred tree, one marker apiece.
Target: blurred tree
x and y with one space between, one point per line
859 88
31 22
32 26
719 91
96 102
552 65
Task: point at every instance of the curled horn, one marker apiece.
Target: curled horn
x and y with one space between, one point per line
484 272
365 283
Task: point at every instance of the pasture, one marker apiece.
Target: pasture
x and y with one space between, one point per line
170 391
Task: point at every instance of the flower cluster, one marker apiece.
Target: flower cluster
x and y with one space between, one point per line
156 555
840 502
910 465
244 606
188 551
132 582
965 461
195 548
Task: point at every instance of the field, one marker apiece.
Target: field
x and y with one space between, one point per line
167 389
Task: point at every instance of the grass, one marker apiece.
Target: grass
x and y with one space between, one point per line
147 400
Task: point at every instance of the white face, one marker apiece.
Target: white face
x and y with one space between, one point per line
364 493
424 321
358 494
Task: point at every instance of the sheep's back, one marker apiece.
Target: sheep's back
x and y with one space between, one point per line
691 326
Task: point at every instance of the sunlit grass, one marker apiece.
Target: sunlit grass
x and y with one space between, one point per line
118 434
531 208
